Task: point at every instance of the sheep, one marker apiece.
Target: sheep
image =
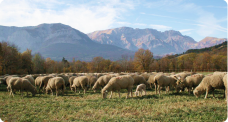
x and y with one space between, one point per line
219 73
71 79
183 75
81 82
118 83
42 81
92 80
66 79
191 82
146 76
30 78
21 84
152 81
140 88
55 83
209 83
225 84
138 79
165 81
102 81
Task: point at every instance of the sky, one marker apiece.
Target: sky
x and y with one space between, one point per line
195 18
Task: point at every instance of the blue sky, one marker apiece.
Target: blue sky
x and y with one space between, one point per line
194 18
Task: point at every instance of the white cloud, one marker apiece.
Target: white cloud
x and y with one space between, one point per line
87 17
185 30
160 27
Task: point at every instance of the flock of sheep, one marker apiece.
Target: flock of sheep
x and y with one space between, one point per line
105 82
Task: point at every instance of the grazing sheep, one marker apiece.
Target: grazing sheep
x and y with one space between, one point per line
71 79
55 83
209 83
165 81
92 80
152 81
21 84
225 84
191 82
140 88
81 82
31 79
219 73
42 82
66 79
138 79
102 81
118 83
183 75
146 76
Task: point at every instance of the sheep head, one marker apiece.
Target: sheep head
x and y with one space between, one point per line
104 94
197 92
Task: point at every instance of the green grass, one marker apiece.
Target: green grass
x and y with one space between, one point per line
91 107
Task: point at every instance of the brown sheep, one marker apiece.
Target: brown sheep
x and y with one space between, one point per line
56 83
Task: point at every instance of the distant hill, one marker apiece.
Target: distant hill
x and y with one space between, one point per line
159 43
57 41
208 42
214 49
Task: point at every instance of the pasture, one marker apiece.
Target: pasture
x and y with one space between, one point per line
91 107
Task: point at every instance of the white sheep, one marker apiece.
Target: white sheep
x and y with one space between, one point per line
81 82
55 83
139 89
30 78
165 81
102 81
118 83
17 83
209 83
191 82
225 84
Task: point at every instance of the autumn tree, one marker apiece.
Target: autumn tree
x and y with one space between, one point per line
143 59
26 57
38 63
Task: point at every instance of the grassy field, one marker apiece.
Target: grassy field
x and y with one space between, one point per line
91 107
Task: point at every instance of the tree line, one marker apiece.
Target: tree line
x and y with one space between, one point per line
14 62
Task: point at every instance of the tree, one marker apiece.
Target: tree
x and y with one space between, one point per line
143 59
26 57
38 63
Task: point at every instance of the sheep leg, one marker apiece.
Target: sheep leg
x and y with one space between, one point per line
131 93
57 92
144 91
136 93
206 93
119 93
110 95
84 90
127 95
226 92
141 93
189 90
159 90
155 85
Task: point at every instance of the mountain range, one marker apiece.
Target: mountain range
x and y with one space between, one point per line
160 43
58 40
